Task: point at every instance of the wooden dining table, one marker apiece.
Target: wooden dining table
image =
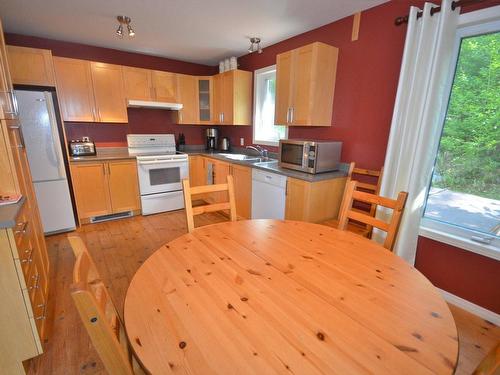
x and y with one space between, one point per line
285 297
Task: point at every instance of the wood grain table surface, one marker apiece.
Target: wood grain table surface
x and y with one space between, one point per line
270 296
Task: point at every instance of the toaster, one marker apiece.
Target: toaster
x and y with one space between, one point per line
81 148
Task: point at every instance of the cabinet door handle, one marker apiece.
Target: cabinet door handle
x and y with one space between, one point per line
15 108
99 114
288 115
109 169
21 135
104 168
222 117
291 115
29 259
22 227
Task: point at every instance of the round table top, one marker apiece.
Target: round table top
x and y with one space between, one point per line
269 296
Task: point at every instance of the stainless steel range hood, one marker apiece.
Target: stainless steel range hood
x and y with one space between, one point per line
151 104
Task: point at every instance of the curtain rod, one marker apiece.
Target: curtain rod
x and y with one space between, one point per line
454 4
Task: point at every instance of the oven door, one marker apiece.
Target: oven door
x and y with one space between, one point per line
161 174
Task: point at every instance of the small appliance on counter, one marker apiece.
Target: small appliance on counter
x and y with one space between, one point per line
212 136
310 156
82 147
182 143
224 144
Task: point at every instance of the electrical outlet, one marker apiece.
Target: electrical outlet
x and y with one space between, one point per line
242 141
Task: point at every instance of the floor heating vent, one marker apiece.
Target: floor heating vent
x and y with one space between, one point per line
120 215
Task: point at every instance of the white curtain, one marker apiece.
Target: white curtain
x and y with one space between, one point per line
418 116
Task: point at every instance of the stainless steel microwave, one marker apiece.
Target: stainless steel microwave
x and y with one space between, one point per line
310 156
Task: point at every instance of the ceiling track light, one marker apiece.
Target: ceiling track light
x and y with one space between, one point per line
124 20
255 45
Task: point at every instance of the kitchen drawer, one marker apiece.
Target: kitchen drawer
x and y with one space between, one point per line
22 229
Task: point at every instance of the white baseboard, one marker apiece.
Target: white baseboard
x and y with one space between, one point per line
471 307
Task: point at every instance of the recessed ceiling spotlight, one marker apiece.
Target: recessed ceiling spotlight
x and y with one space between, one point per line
254 45
124 20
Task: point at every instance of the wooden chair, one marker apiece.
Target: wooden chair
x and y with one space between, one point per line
490 365
354 174
348 213
99 315
198 210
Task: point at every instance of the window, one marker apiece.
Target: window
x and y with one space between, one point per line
264 130
463 201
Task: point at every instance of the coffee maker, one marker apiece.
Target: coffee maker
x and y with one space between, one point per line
212 135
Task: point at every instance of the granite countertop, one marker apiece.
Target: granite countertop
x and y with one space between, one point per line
9 212
114 153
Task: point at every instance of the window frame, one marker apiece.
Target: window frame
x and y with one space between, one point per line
256 96
470 24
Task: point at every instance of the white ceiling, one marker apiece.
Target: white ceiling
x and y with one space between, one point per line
202 31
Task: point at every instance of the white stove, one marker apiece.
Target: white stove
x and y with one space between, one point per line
161 171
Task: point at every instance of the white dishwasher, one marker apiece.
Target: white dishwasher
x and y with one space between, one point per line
268 195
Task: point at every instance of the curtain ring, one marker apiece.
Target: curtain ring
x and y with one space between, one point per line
454 5
434 10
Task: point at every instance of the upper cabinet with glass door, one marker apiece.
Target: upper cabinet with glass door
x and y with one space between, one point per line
205 99
305 84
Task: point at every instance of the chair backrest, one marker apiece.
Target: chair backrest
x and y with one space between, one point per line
490 365
356 173
198 210
98 313
391 227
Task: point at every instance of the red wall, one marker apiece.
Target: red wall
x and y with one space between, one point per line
471 276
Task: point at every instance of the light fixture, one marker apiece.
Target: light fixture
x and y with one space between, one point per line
124 20
254 45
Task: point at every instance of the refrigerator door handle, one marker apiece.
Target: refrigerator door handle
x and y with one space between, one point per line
56 149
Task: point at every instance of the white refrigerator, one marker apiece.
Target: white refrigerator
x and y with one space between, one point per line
43 147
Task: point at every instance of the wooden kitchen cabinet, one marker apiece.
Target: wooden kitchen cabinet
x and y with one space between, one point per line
242 177
205 99
24 264
90 186
90 91
109 94
31 66
103 188
233 98
165 86
313 201
75 91
197 170
187 95
123 186
8 107
138 83
305 84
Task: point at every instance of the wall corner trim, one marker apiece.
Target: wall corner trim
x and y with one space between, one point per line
471 307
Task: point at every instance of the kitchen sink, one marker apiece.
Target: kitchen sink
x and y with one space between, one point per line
248 158
269 163
239 156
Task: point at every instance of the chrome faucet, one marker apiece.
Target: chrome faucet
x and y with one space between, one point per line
262 151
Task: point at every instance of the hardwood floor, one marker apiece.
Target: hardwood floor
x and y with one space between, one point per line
118 249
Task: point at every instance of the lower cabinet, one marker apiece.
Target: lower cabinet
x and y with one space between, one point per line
242 177
24 264
103 188
199 167
313 201
197 170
